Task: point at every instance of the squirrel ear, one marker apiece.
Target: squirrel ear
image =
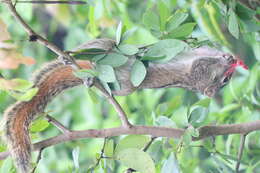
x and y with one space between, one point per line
210 91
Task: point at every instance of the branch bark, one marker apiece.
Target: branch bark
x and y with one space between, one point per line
36 37
205 131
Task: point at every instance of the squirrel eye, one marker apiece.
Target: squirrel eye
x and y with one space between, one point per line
226 79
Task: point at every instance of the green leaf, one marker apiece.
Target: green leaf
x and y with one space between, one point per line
208 145
192 131
106 86
96 58
203 103
109 148
88 50
244 12
198 115
106 73
198 111
39 125
187 138
27 96
92 25
170 165
188 134
85 73
75 156
230 157
138 73
150 58
118 33
115 85
22 85
113 59
207 17
164 13
168 107
128 49
87 53
128 34
136 159
156 33
151 20
131 142
26 10
182 31
178 18
165 122
6 166
233 24
2 146
93 95
168 47
156 150
15 84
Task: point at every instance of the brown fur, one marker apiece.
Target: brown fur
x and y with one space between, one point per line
50 80
202 70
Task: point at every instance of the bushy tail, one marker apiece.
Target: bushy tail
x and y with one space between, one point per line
17 138
51 80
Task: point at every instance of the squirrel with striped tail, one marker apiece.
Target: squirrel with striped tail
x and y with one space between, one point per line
203 70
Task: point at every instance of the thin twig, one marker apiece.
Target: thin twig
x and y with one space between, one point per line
101 155
240 151
122 115
37 37
57 124
38 160
54 2
149 144
90 53
130 170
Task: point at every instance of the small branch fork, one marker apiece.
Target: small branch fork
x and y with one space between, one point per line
57 124
122 115
64 56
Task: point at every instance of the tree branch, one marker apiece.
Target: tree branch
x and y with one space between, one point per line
57 124
205 131
36 37
122 115
61 54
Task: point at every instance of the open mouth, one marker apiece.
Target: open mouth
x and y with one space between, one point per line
236 63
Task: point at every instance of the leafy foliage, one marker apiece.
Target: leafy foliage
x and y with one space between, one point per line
168 27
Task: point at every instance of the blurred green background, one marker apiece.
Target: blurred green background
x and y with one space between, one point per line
228 25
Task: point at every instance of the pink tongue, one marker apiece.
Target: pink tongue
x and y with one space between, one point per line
237 63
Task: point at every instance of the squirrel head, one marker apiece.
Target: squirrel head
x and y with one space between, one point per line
221 72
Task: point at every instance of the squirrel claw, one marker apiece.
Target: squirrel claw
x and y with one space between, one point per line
88 81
